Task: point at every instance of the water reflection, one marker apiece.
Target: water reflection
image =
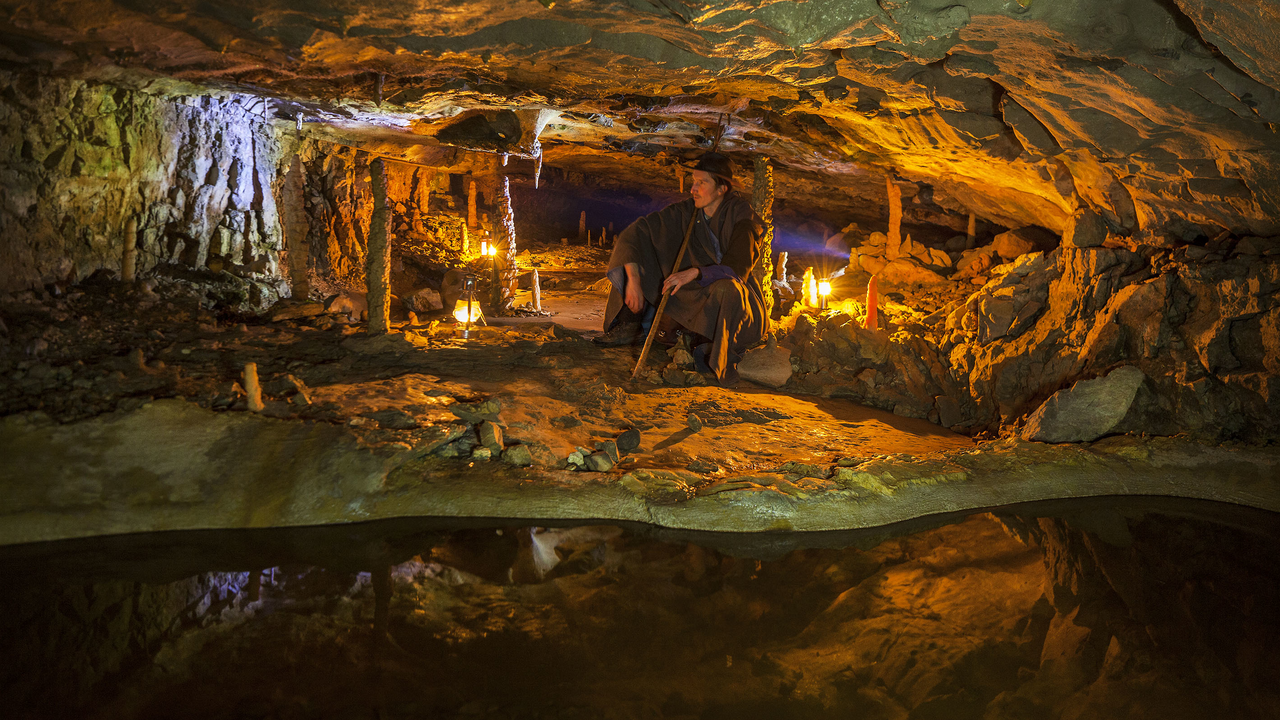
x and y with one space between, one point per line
1137 607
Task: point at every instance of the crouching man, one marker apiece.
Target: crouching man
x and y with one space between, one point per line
713 296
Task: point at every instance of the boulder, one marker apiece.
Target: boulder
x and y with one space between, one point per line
425 300
1013 243
768 366
1090 409
908 271
292 309
1085 229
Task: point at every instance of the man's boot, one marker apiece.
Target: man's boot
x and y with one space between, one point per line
624 333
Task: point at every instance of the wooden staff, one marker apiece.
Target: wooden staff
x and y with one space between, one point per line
662 304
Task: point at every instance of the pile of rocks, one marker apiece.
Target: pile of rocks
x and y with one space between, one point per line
607 453
1196 330
481 438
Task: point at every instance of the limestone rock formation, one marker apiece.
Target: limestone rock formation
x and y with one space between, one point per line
1089 409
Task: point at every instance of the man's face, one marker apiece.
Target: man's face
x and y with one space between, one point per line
704 189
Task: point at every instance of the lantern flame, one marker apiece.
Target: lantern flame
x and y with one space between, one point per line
824 288
460 311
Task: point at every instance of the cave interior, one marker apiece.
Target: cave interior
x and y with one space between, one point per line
283 267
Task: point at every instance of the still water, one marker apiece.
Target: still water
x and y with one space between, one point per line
1113 607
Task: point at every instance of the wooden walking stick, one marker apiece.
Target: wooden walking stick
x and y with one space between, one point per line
662 304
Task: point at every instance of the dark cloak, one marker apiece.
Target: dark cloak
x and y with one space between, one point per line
729 309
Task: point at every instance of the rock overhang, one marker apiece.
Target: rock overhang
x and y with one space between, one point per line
1017 112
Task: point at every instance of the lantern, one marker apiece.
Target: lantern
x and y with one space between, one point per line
824 289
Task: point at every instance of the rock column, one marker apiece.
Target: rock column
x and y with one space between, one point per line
971 237
505 238
762 200
582 227
471 205
894 246
293 219
378 265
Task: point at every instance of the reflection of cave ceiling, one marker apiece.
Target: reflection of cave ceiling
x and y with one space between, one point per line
1153 111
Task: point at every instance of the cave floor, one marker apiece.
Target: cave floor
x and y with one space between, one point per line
123 414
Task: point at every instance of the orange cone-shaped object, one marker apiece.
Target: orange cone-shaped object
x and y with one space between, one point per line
873 299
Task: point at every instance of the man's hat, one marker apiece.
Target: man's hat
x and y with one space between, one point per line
717 164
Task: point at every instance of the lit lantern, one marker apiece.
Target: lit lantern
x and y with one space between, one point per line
493 250
824 289
467 309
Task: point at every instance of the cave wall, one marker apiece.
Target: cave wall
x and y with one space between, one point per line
78 159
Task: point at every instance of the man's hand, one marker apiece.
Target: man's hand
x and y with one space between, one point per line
634 296
675 281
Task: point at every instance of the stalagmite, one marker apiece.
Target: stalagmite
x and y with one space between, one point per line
873 301
382 80
378 264
762 202
252 389
971 238
588 238
537 292
471 204
781 270
810 288
129 263
894 246
505 237
582 227
680 175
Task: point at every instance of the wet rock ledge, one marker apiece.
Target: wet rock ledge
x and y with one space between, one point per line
171 465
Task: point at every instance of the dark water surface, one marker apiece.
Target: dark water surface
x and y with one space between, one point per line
1112 607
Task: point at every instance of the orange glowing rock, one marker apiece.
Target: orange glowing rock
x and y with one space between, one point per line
873 299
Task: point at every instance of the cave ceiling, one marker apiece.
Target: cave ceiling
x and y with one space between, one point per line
1162 115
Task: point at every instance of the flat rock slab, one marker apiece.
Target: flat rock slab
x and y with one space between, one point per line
171 465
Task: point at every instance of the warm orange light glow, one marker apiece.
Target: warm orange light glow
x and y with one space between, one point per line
824 288
810 288
493 250
484 248
460 311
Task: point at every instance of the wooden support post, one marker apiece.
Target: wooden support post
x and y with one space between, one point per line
971 238
129 261
378 264
894 247
762 203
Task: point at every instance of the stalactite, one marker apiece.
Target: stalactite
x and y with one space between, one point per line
537 169
894 246
129 262
378 264
762 202
505 238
